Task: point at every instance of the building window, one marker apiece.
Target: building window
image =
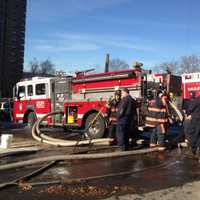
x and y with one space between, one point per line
40 89
30 90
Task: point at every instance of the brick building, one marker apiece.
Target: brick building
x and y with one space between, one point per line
12 37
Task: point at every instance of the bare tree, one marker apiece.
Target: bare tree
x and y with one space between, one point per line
167 66
47 67
42 68
34 67
117 64
186 64
189 64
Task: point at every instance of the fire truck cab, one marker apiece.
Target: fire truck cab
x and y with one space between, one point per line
38 96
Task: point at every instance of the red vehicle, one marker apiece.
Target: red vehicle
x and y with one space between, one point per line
81 97
190 83
38 96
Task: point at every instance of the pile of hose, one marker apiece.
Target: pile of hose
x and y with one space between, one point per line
41 137
64 157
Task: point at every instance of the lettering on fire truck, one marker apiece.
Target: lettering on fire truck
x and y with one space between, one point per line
40 104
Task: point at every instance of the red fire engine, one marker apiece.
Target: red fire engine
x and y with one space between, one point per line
38 96
190 83
82 96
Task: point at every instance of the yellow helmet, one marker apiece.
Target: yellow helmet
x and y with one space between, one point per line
137 64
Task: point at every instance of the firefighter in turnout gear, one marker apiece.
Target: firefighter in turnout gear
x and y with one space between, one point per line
194 118
157 118
126 119
112 108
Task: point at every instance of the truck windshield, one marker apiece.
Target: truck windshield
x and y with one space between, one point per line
21 91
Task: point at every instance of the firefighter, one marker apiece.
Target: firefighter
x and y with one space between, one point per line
183 137
194 118
111 113
187 122
125 119
157 119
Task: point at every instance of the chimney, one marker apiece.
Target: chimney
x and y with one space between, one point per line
107 62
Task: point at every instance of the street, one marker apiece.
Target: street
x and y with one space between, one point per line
163 175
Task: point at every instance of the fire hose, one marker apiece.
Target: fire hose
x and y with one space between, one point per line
64 157
41 137
87 128
28 176
178 112
76 180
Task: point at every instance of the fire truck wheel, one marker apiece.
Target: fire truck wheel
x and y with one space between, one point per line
32 118
97 129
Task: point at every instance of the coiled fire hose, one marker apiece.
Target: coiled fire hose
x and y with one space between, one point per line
41 137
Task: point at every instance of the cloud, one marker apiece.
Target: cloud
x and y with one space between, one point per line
66 47
65 42
131 45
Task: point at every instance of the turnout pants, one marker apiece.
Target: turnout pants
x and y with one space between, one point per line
184 134
123 135
195 134
112 131
125 129
187 126
157 137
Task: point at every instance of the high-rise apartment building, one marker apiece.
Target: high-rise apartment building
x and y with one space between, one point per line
12 38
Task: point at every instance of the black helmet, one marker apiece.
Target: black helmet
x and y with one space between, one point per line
125 90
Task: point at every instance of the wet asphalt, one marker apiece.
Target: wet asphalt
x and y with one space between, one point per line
107 177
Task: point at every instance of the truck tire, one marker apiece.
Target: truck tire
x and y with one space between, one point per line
31 119
96 130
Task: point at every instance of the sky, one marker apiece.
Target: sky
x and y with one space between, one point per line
77 34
